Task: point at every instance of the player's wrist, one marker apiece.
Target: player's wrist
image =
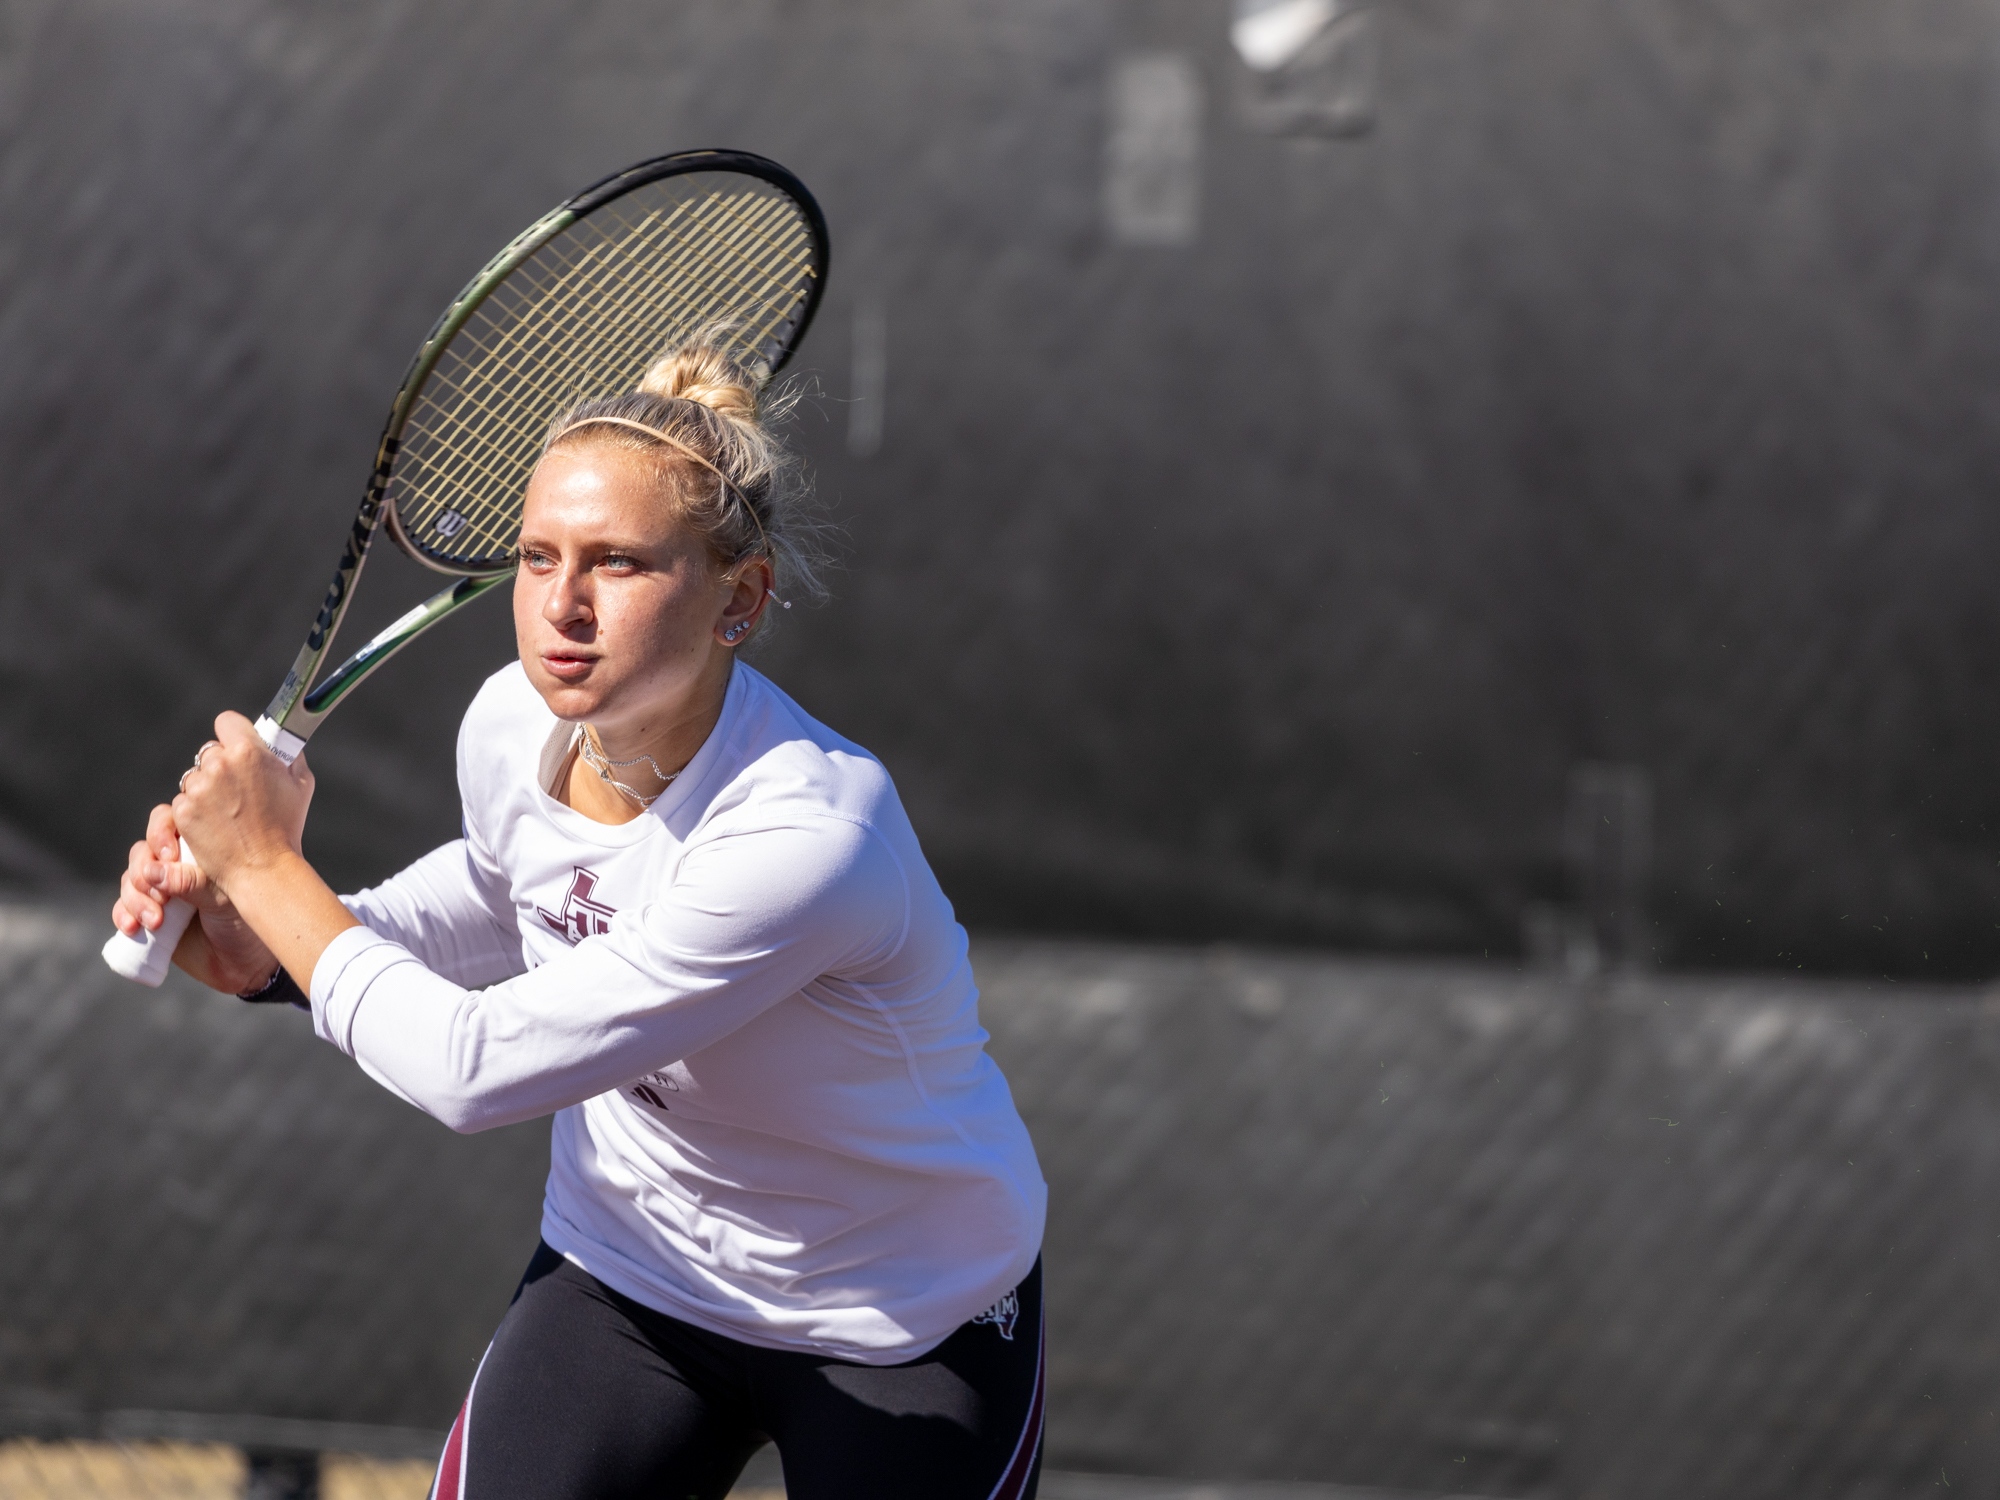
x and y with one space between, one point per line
293 912
259 860
279 989
261 878
237 962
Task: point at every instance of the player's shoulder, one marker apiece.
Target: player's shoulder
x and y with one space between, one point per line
789 755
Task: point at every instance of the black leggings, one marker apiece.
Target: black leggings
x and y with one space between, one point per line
587 1395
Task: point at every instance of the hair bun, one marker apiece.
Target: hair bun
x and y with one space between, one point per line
704 374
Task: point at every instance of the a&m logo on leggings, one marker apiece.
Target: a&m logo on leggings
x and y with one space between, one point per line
1003 1315
580 916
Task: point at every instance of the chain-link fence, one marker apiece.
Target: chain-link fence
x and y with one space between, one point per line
1473 1230
34 1470
1315 1221
31 1470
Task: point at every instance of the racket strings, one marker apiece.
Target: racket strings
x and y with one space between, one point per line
672 252
602 295
586 315
598 300
673 255
528 320
531 323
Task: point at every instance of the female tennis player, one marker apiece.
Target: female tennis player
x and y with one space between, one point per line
789 1197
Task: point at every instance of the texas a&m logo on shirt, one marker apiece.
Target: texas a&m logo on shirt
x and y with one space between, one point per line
580 916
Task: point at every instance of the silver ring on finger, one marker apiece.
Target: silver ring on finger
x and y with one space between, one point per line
184 776
206 747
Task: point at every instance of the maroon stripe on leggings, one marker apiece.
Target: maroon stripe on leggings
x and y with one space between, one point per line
450 1481
1014 1483
446 1486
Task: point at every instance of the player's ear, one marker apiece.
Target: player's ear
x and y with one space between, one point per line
749 585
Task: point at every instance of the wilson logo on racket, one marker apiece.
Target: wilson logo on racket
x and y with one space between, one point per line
451 523
580 916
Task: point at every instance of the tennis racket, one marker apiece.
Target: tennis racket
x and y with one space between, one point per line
579 304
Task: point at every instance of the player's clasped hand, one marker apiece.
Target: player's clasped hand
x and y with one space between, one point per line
238 806
241 808
154 874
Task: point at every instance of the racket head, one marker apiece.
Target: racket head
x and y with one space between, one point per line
722 243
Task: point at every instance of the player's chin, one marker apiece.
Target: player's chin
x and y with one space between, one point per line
568 696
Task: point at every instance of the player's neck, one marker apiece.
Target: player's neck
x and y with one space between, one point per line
635 763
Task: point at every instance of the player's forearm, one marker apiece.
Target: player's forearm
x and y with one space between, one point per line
292 910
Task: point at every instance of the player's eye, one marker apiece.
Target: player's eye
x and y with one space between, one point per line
619 562
534 559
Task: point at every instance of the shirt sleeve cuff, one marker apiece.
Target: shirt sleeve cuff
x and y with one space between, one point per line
347 967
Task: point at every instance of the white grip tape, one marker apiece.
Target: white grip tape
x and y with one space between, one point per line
148 956
284 744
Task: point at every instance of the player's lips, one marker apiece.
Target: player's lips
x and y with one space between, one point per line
566 665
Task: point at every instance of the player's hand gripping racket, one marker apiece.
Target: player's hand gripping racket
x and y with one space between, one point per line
578 305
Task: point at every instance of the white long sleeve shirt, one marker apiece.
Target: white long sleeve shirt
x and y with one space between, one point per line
750 1010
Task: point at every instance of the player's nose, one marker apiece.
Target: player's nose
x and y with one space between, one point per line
567 601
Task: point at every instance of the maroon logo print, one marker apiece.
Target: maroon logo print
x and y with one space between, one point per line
580 916
1003 1315
652 1086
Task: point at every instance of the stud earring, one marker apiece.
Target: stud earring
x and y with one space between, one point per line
735 632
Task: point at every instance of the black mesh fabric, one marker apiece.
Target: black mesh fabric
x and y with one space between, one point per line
1422 1227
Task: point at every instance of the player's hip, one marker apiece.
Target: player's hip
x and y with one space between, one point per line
585 1390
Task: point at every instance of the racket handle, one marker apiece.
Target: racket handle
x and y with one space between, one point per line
147 957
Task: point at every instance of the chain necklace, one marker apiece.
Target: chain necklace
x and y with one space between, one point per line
603 765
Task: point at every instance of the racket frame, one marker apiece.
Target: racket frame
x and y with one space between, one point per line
299 706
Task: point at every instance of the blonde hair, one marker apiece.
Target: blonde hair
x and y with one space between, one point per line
704 419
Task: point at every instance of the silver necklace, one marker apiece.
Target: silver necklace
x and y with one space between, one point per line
603 765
